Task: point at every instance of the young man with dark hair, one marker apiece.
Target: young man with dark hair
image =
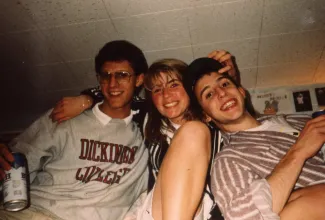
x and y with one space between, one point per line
269 168
93 166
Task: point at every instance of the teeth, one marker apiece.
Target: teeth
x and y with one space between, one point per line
170 104
227 105
115 93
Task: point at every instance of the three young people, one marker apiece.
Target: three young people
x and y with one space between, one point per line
172 157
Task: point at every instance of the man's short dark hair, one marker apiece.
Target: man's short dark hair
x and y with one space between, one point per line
196 70
119 51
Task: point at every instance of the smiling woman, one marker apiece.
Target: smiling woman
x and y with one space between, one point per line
179 188
169 101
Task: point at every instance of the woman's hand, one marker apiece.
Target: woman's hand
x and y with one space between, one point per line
70 107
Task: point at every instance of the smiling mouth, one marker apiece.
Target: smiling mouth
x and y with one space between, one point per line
228 105
172 104
115 93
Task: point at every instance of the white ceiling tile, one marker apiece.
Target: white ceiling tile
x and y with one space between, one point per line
285 16
245 51
84 73
225 22
185 54
320 73
30 47
155 31
288 74
223 1
81 41
52 13
291 47
13 17
248 77
125 8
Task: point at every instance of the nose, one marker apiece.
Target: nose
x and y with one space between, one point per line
165 92
112 81
220 91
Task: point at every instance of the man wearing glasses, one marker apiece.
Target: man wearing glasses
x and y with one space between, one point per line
94 165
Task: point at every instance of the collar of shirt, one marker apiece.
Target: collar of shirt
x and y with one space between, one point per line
105 119
169 133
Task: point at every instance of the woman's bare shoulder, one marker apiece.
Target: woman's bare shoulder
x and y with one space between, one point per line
194 127
192 135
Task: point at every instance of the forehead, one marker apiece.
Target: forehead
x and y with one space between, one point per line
162 77
207 79
111 66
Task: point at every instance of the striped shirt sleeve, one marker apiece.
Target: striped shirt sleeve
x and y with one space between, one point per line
240 193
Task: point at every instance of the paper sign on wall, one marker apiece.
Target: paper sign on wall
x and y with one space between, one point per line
272 102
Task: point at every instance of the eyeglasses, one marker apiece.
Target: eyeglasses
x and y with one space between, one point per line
170 85
120 76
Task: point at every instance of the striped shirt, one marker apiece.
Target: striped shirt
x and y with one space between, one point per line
239 174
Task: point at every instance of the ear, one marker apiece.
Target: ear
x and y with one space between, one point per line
242 91
139 80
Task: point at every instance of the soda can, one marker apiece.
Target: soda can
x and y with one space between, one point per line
315 115
318 113
15 184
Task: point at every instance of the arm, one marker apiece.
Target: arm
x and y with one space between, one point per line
183 172
228 61
240 192
285 174
40 142
69 107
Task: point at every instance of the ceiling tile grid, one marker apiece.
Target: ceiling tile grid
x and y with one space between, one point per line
13 18
30 47
83 73
48 13
245 51
291 47
286 16
248 77
52 77
155 31
126 8
287 74
184 53
81 41
225 22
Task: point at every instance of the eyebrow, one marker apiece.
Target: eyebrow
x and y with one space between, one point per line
173 80
169 81
207 87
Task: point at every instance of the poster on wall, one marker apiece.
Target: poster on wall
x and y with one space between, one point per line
320 95
302 101
272 102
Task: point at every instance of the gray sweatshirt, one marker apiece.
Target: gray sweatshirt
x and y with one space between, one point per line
84 168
